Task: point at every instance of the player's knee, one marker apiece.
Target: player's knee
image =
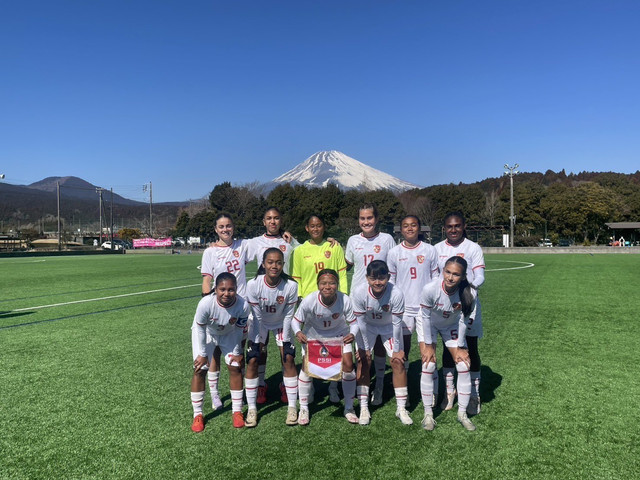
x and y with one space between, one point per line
462 367
349 375
430 367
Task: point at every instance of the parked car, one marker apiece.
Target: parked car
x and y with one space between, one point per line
565 242
545 242
117 245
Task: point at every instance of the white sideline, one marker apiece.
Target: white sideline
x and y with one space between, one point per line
104 298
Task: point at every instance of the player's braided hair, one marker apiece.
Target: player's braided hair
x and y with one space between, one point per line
467 298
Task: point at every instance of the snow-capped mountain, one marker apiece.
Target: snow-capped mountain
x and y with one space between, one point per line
347 173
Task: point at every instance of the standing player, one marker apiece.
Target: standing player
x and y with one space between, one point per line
310 258
362 249
219 322
274 237
273 297
447 305
225 255
458 244
412 264
328 312
378 307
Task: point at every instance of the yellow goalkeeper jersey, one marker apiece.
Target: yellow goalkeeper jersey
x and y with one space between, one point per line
309 259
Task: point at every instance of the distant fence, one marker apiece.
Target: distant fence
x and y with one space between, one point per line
151 242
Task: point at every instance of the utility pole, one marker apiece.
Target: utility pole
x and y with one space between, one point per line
99 191
511 171
149 187
58 197
112 218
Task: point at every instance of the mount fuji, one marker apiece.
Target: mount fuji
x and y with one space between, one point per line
347 173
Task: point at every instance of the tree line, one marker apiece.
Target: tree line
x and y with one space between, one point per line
556 205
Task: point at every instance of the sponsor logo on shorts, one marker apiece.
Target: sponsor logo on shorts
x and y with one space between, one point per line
327 253
377 248
420 258
280 299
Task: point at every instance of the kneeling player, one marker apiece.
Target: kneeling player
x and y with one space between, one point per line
378 307
329 313
447 303
219 321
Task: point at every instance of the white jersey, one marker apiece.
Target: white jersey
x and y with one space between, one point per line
442 311
335 320
260 244
272 306
232 259
361 251
411 268
470 251
214 319
386 310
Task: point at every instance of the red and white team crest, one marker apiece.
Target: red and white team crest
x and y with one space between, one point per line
420 258
283 248
280 299
236 253
327 253
385 308
335 316
376 248
233 320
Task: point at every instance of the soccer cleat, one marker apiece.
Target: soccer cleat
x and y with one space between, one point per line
448 401
198 423
262 394
466 423
376 397
404 417
474 406
365 416
292 416
351 416
428 423
303 417
283 393
252 418
238 421
334 396
216 402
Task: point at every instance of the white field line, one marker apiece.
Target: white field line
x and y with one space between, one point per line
104 298
524 265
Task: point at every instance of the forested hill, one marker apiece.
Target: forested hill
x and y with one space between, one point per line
574 206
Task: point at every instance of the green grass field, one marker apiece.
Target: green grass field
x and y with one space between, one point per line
100 388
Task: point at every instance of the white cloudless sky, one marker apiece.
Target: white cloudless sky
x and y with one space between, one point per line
189 94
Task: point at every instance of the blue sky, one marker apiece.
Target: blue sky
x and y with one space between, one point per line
187 94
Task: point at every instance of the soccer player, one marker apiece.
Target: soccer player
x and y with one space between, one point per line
447 305
310 258
412 264
225 255
457 243
219 322
330 314
379 307
274 237
273 296
362 249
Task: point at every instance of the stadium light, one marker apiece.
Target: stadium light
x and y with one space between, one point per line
511 171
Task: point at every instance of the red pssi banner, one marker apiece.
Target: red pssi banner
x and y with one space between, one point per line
323 359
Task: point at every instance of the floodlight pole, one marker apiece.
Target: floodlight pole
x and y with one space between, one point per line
511 171
58 198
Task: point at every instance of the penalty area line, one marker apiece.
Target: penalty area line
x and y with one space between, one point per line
103 298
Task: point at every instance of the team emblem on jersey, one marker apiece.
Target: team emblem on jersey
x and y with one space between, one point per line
233 320
283 248
327 254
461 254
385 308
420 258
236 253
324 352
335 316
376 248
280 299
457 306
